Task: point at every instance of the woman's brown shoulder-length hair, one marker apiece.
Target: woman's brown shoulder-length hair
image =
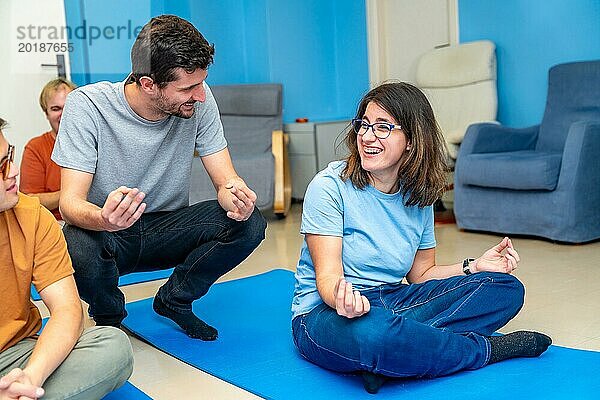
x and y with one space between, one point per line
422 174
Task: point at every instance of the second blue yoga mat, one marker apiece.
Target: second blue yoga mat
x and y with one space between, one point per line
129 279
255 352
127 392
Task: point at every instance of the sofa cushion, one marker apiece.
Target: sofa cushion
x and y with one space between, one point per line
518 170
572 96
258 99
257 172
249 136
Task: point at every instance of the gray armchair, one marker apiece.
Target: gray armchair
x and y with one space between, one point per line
542 180
252 122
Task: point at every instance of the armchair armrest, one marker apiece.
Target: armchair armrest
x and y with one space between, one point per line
581 158
494 138
283 177
579 177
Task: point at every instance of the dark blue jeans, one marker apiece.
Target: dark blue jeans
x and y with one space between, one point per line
429 329
200 241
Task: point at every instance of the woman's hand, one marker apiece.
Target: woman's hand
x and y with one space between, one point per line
501 258
348 303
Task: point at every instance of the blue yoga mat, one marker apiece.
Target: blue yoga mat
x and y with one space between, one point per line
255 352
129 279
127 392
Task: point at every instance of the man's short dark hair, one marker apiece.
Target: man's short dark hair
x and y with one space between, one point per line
165 44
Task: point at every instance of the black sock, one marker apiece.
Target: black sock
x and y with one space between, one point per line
113 324
102 322
372 382
518 344
193 326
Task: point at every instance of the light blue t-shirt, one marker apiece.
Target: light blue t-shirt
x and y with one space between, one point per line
102 135
380 235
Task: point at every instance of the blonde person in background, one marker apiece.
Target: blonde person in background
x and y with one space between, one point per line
40 176
64 361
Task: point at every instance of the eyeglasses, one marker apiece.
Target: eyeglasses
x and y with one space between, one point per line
381 130
6 161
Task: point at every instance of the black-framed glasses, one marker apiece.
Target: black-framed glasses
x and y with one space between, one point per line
6 161
381 130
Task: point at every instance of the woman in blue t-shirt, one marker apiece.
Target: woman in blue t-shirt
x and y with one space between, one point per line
368 224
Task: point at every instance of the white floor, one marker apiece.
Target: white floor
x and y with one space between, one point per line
562 300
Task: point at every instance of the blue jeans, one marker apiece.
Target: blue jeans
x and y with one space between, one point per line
429 329
200 241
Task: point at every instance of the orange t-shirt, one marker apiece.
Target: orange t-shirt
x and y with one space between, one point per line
32 249
39 174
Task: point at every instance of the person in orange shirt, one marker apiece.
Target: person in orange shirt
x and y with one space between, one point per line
63 361
40 176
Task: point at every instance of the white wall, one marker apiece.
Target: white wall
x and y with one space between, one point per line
22 74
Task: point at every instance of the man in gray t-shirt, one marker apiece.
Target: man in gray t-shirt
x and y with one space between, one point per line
125 151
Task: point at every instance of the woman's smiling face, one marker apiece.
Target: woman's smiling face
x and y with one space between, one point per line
381 157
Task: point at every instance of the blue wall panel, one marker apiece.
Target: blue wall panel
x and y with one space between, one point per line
107 31
223 24
316 48
257 54
352 72
531 36
304 56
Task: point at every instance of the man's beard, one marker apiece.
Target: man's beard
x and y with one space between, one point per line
174 109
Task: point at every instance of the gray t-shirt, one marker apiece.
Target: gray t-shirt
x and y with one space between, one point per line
100 134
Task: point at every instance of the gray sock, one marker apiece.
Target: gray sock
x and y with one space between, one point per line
518 344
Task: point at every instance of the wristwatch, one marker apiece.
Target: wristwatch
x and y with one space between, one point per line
467 265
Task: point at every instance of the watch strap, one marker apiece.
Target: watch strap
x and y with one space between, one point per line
466 266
